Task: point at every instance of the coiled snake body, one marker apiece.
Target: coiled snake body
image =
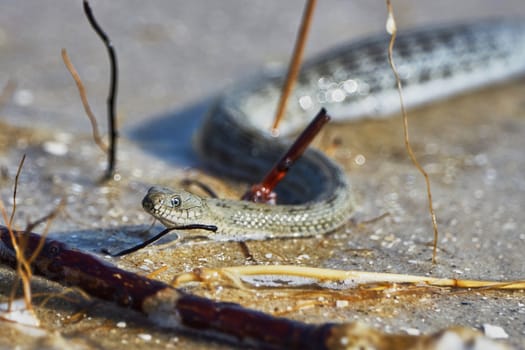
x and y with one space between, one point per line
351 82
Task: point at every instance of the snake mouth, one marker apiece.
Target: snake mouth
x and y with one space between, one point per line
154 197
147 203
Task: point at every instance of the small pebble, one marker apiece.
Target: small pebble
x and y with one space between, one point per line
55 148
494 332
121 324
23 97
412 331
145 268
144 336
341 303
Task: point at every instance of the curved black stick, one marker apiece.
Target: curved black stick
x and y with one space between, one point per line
159 236
112 96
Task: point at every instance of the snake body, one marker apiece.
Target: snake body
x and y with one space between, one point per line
351 82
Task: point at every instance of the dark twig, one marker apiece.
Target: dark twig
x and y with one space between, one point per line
263 192
246 252
15 189
295 63
113 85
155 238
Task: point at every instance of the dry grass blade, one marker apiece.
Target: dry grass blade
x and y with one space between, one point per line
391 28
48 219
64 296
23 263
23 266
295 63
325 277
85 103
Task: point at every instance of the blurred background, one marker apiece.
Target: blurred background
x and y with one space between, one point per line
175 53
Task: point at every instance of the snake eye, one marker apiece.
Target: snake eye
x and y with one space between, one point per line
175 201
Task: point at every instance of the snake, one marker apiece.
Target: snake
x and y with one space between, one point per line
352 82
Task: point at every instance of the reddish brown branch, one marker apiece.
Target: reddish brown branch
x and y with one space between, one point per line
263 191
71 267
244 324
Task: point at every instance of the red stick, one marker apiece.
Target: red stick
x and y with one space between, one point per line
263 191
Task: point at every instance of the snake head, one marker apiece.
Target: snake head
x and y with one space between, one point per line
173 207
